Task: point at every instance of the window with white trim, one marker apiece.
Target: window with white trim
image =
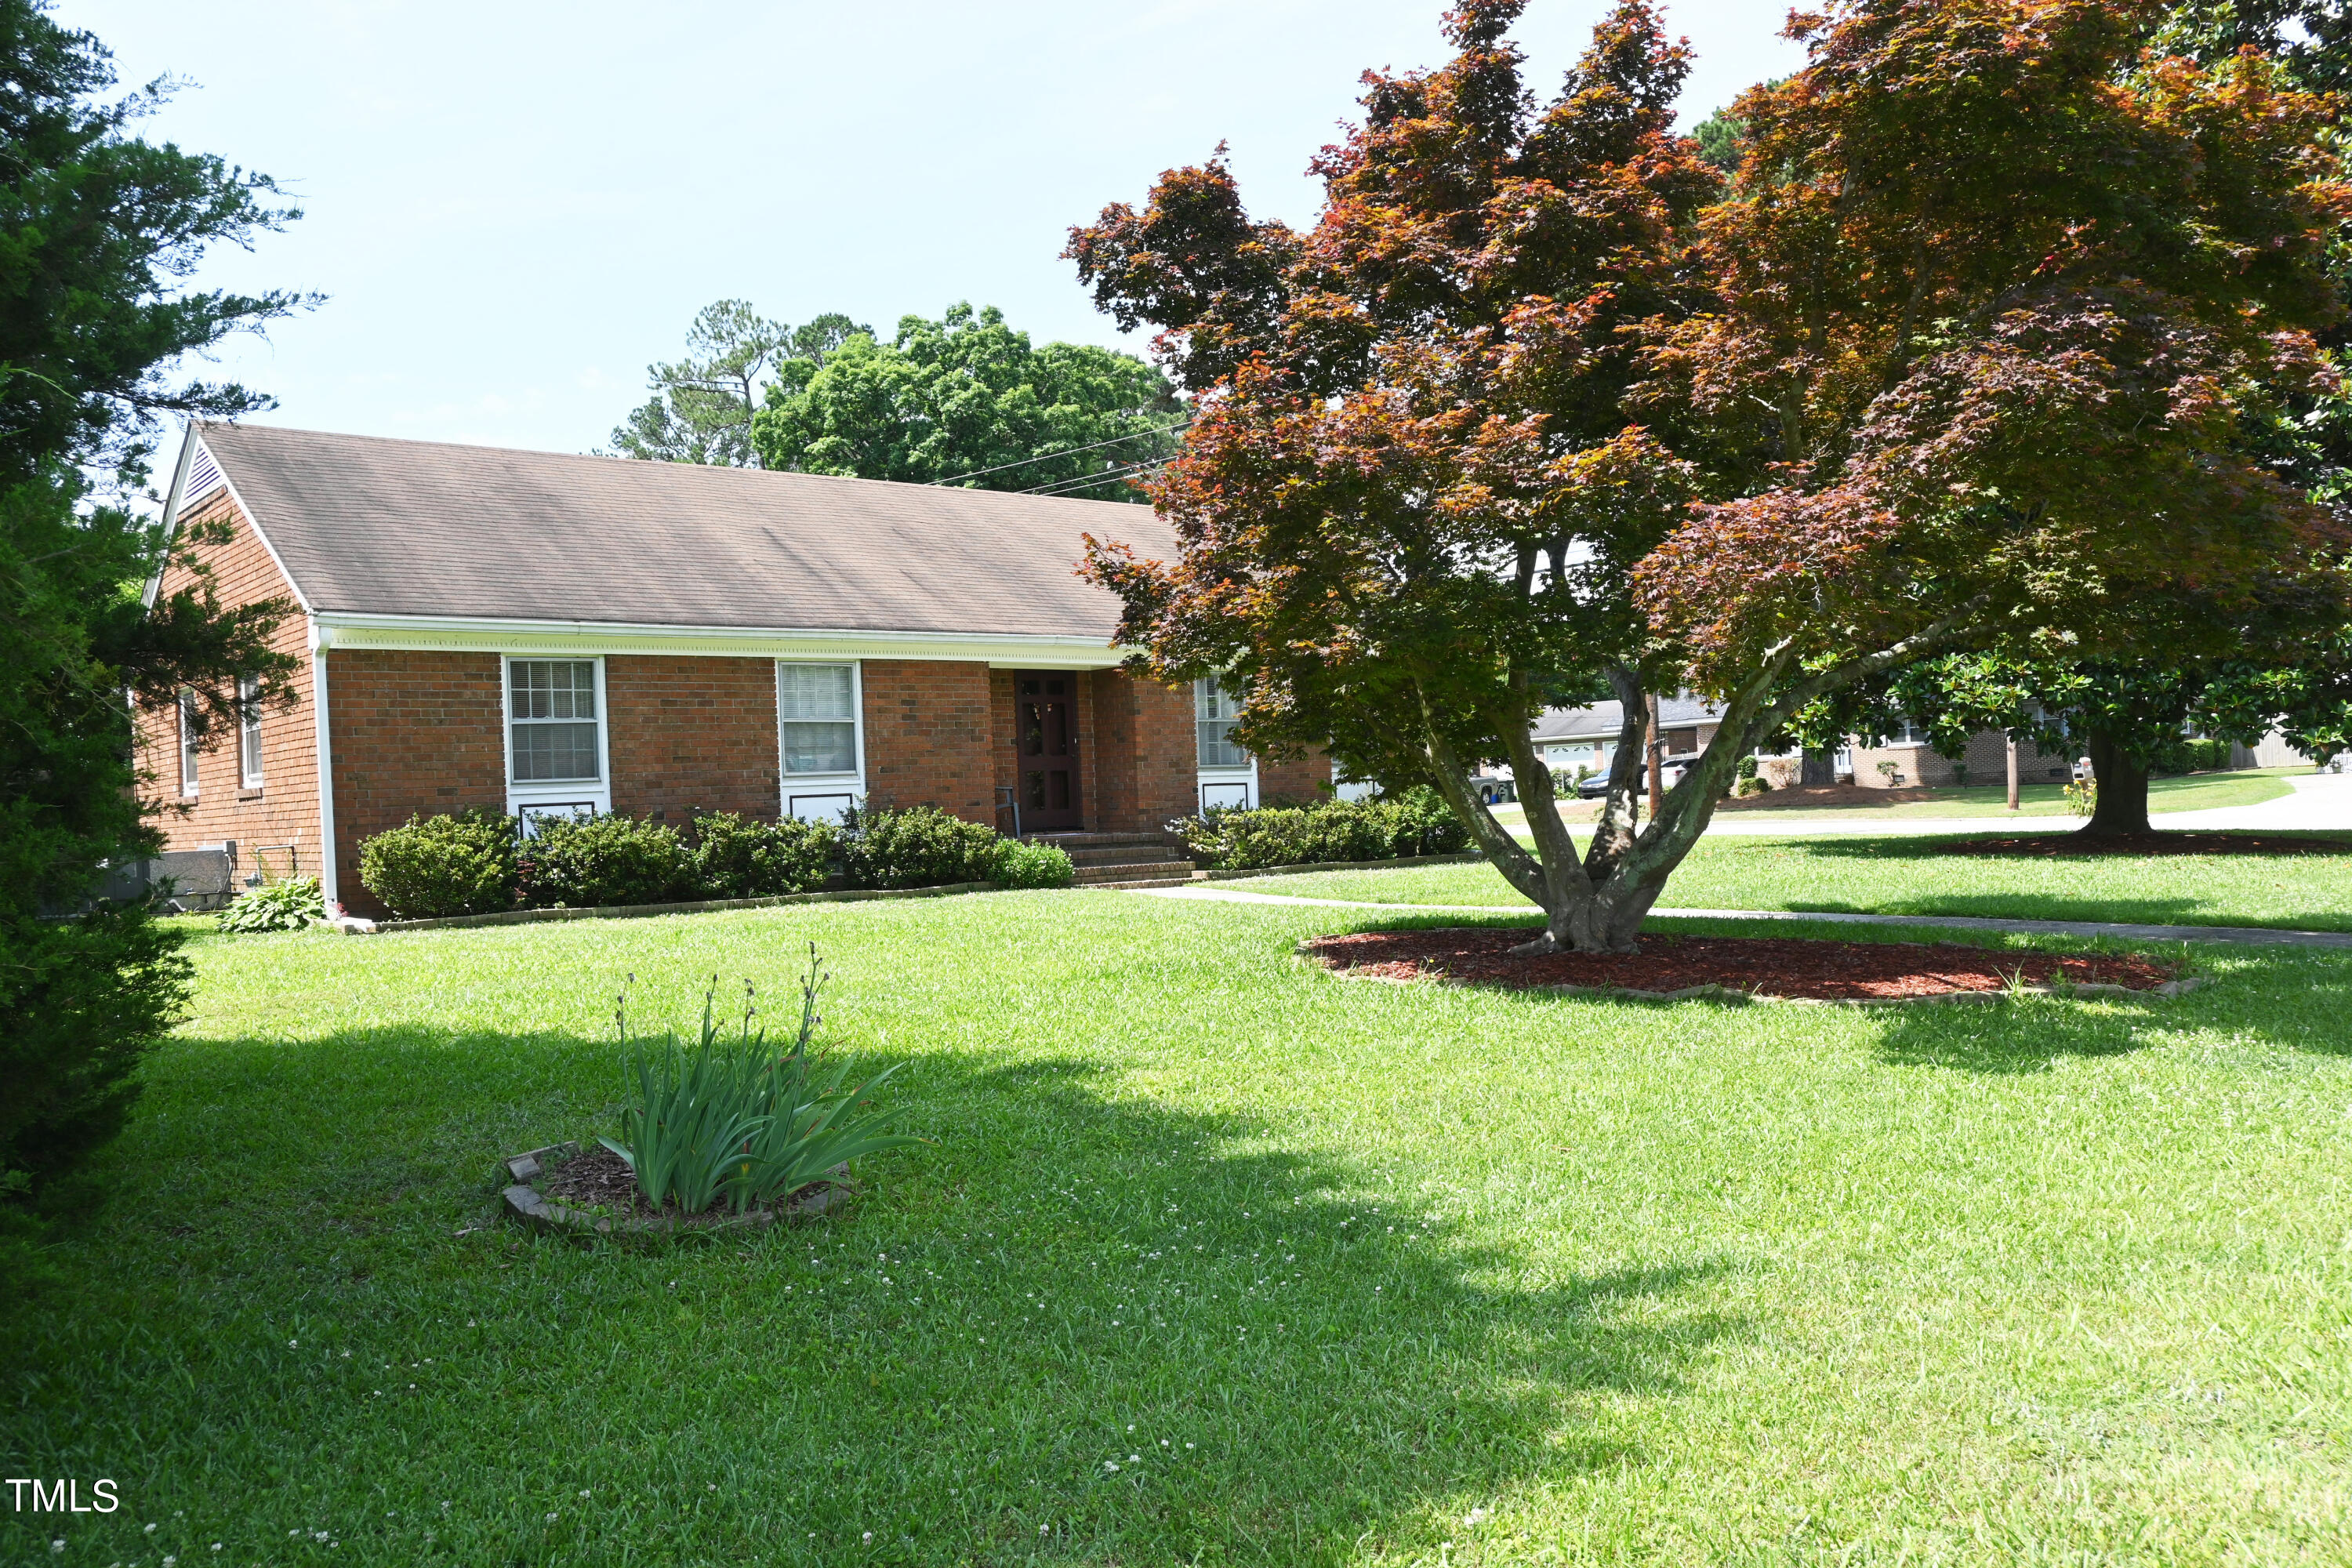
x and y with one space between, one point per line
551 715
817 715
1214 714
248 731
187 713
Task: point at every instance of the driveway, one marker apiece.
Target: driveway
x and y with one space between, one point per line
2321 801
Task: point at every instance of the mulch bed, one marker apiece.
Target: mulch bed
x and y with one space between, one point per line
599 1180
596 1178
1791 968
2058 845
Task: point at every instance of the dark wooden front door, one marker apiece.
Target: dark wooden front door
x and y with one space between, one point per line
1045 740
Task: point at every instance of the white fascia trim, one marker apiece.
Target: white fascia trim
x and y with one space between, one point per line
171 515
252 517
345 629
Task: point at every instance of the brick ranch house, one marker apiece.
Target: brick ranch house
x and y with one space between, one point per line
540 633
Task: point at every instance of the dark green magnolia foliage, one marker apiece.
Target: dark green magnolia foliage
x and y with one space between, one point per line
967 400
98 229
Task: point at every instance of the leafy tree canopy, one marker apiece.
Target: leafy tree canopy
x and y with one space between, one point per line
98 231
966 400
1963 355
701 408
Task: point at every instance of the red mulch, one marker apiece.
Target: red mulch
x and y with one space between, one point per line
1767 966
2054 846
1816 796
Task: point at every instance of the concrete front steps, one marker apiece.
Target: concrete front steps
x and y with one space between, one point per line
1121 859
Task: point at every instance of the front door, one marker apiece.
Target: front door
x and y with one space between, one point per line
1046 743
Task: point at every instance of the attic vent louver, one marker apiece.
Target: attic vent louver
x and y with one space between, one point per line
204 478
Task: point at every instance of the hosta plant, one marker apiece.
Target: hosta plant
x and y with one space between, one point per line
737 1120
289 905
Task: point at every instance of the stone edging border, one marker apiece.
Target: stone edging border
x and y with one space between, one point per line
629 912
1337 866
528 1206
1733 997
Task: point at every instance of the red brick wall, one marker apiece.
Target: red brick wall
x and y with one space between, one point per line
414 733
1147 758
1296 781
285 808
929 736
688 734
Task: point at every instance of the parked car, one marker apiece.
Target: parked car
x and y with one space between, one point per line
1670 769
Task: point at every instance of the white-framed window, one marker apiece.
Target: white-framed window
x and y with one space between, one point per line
186 710
248 731
820 738
816 718
1909 733
1213 712
557 751
555 731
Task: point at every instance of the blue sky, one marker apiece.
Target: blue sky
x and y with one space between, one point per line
513 207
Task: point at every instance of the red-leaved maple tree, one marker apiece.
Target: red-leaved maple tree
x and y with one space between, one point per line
1961 355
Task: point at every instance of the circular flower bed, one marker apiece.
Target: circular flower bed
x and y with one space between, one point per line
1784 968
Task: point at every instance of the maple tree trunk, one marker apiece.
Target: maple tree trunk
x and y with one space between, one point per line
2123 790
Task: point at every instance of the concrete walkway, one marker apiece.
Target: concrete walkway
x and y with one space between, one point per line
2260 936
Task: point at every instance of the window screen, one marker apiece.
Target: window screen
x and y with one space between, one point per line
553 706
1212 713
816 706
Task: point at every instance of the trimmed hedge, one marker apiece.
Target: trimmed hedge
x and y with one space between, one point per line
917 847
1020 865
740 857
434 867
1416 823
597 861
478 863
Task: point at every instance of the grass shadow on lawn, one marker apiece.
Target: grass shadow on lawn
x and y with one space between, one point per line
1069 1277
2034 1034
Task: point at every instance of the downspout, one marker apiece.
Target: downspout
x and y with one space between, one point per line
329 888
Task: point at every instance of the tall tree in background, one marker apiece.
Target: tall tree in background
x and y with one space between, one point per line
701 408
966 400
2234 666
98 231
1960 360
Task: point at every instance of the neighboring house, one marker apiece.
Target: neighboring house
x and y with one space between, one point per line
539 633
1570 738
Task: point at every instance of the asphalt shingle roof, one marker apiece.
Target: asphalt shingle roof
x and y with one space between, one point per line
1605 719
367 525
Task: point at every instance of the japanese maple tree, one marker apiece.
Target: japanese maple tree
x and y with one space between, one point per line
1958 356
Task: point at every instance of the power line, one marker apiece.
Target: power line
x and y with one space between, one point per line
1074 452
1087 481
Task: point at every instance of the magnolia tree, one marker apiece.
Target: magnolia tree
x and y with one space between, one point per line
1958 356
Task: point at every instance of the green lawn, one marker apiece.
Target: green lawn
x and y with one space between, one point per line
1332 1272
2194 791
1912 875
